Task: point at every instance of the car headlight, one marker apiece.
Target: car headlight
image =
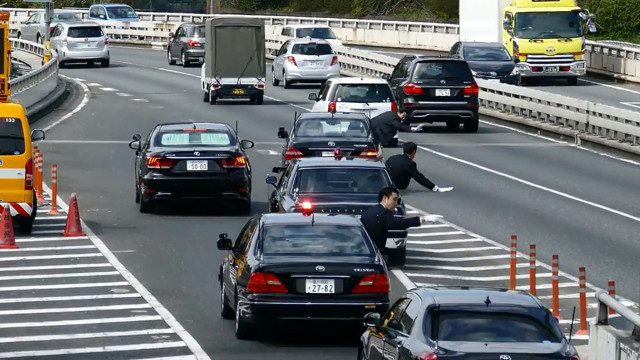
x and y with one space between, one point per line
515 71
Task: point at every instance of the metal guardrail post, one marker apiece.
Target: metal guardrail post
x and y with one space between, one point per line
606 301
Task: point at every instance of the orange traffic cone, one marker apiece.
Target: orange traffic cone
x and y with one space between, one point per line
7 237
74 227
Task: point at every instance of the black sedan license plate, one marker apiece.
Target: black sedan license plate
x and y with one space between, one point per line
238 91
320 286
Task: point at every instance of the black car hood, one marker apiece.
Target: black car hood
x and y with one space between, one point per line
503 68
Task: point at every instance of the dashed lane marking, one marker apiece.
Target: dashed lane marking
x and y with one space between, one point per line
82 104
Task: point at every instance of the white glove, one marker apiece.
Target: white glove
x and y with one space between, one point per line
417 128
439 189
430 218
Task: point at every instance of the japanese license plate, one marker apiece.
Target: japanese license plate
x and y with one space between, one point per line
327 153
443 92
550 69
238 91
320 286
313 63
197 165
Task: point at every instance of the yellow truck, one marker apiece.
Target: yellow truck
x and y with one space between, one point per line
545 37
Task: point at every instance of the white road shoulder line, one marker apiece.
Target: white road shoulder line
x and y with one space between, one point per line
82 104
49 257
81 322
100 349
63 286
69 298
85 336
75 309
52 267
58 276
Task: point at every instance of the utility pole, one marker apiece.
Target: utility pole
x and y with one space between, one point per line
218 9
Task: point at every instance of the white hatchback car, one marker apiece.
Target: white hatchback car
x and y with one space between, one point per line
304 60
314 31
370 96
80 43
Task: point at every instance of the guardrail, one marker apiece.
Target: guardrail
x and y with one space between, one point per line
37 85
614 343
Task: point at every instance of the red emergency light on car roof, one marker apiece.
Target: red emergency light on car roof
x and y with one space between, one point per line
306 207
337 153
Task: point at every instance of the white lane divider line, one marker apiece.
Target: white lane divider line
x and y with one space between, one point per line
440 242
81 322
58 276
442 251
85 336
75 309
82 104
49 248
444 233
123 94
48 257
460 259
69 298
94 84
53 267
64 286
108 89
140 100
473 278
101 349
464 268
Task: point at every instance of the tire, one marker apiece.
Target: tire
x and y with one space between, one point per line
225 309
573 81
472 126
205 96
39 39
244 329
244 208
137 195
105 63
170 58
183 59
453 125
285 83
90 63
145 206
398 257
259 99
274 81
212 99
19 35
25 225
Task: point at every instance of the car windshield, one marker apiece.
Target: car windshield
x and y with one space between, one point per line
489 53
193 137
315 33
121 12
66 17
316 240
311 49
363 93
11 136
84 32
332 128
435 71
548 25
485 327
342 180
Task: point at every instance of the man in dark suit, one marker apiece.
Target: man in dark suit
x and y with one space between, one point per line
402 169
386 125
379 219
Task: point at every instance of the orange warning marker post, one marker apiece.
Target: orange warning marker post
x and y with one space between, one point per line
40 166
612 292
54 189
514 254
583 302
555 296
74 227
532 269
7 237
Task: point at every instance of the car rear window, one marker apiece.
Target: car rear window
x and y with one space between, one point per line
477 53
363 93
193 137
66 17
316 240
332 128
315 33
121 12
198 31
11 136
468 326
311 49
84 32
342 180
435 71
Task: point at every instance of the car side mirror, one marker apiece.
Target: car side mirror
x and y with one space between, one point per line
372 320
37 135
278 169
386 76
272 180
247 144
506 24
134 145
282 133
313 97
170 34
516 59
224 243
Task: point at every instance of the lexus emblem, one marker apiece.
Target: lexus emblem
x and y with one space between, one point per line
443 81
320 268
493 73
331 143
505 357
196 153
551 49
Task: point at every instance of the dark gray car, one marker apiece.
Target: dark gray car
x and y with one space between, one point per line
187 44
488 60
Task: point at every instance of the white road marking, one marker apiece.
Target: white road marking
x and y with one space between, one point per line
140 100
50 248
547 286
85 336
465 268
36 232
460 259
69 298
52 267
439 242
474 278
48 225
442 251
183 357
101 349
82 104
87 142
94 84
437 233
178 72
63 286
75 309
50 218
108 89
427 226
123 94
567 296
49 257
611 86
57 276
267 152
408 284
20 241
81 322
634 104
531 184
193 345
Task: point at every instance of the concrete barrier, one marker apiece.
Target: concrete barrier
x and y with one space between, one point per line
617 338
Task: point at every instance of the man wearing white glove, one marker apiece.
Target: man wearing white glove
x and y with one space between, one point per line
402 169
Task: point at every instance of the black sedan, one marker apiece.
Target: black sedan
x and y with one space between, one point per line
301 267
318 134
192 161
488 60
460 323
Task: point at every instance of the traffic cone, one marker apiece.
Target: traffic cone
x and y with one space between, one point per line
74 227
7 237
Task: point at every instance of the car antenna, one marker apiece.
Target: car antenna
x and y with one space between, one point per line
488 301
236 127
295 117
313 218
573 319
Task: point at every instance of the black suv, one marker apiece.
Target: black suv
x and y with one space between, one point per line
434 89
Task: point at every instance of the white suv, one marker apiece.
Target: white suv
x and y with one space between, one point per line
365 95
303 60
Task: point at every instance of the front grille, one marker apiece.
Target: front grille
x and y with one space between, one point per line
550 60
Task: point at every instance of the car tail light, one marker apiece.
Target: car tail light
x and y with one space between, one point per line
574 358
374 283
28 175
394 106
412 89
260 282
192 43
106 41
337 153
292 153
332 106
428 356
158 162
236 162
259 86
292 60
473 89
51 28
369 153
334 60
306 207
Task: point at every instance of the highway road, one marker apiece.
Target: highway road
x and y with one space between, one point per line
568 201
624 95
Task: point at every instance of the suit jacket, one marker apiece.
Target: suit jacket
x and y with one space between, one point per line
386 125
403 169
377 220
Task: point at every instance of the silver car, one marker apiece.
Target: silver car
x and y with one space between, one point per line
80 43
35 28
304 60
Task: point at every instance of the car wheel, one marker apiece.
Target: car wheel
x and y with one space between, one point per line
170 58
19 35
212 99
105 63
25 225
205 96
226 311
137 195
146 206
573 80
259 99
183 59
90 63
244 329
471 126
285 83
274 81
